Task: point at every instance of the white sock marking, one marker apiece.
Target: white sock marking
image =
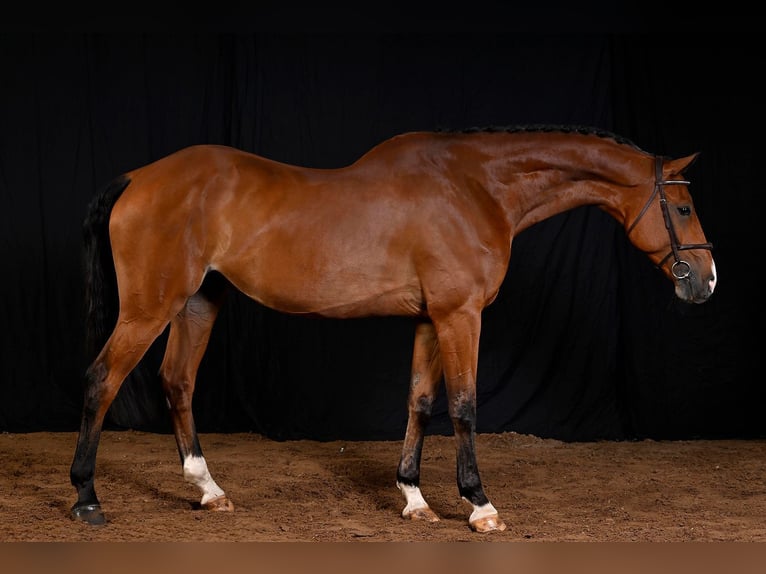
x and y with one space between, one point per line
414 498
480 512
196 473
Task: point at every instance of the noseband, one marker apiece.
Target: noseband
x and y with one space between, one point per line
680 269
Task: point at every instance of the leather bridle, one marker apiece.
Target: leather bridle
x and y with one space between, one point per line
680 268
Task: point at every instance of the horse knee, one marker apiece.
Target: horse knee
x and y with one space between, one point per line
462 411
421 408
176 392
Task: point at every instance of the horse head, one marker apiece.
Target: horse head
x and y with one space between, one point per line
669 231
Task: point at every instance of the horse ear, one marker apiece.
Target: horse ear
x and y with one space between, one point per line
681 164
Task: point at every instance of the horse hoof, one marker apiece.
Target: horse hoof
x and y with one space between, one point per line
220 504
423 513
90 513
488 524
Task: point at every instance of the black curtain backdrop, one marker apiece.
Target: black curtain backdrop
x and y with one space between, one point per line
585 340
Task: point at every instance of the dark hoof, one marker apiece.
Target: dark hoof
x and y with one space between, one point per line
90 513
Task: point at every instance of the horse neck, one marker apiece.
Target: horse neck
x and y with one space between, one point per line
536 178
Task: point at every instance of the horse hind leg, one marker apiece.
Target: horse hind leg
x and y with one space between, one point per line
119 356
188 338
424 382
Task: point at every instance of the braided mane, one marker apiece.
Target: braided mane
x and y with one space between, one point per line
561 128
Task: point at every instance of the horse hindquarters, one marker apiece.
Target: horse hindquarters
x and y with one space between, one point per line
155 281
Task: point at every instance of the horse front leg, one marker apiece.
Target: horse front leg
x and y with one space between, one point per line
425 378
121 353
459 342
188 338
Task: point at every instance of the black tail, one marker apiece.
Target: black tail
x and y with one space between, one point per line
101 303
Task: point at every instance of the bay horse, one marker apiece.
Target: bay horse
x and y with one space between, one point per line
419 226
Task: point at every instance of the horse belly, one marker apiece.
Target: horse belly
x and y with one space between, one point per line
332 296
296 275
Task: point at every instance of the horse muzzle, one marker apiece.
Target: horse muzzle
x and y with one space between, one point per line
693 285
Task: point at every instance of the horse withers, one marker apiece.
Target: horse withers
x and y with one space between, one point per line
420 226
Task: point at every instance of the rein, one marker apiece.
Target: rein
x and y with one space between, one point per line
680 269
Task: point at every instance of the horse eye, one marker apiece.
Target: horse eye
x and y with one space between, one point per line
685 210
